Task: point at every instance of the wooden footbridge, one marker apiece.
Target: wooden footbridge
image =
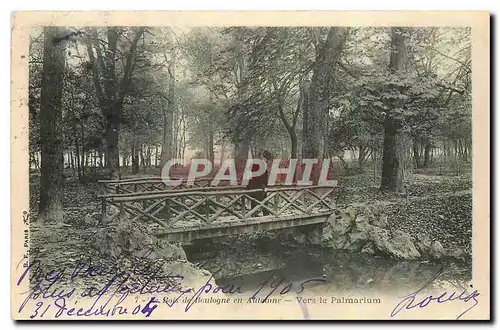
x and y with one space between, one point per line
199 210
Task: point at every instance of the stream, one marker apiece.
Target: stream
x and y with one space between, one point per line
249 263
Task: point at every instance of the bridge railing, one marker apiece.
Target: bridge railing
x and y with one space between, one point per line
144 184
202 206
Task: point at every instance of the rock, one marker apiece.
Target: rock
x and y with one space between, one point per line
338 226
194 277
436 250
362 218
428 248
361 228
111 210
456 253
368 248
401 246
382 221
397 244
88 220
315 236
343 223
299 237
351 211
167 251
337 242
124 238
359 236
423 244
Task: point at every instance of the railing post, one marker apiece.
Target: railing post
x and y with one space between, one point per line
144 202
332 198
277 202
243 206
167 211
207 213
302 197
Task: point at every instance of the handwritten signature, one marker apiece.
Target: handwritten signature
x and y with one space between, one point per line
411 301
48 292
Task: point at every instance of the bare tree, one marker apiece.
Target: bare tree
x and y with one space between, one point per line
110 89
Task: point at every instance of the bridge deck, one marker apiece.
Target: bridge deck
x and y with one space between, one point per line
251 225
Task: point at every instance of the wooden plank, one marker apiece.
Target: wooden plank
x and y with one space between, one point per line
321 199
149 216
151 207
249 226
261 205
189 209
206 191
176 191
226 208
290 201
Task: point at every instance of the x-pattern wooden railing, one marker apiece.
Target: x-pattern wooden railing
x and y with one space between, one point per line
205 205
145 184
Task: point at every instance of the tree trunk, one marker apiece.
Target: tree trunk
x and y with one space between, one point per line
342 160
210 147
363 152
141 155
156 155
241 155
393 154
427 154
148 155
71 160
51 130
135 159
416 153
78 164
31 160
241 150
222 151
168 114
295 144
316 101
101 159
112 130
392 158
110 90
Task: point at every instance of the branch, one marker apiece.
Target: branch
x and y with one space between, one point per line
100 58
127 74
343 67
163 96
465 65
297 109
95 74
452 88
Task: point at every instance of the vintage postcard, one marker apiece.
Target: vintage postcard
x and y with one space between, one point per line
250 165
